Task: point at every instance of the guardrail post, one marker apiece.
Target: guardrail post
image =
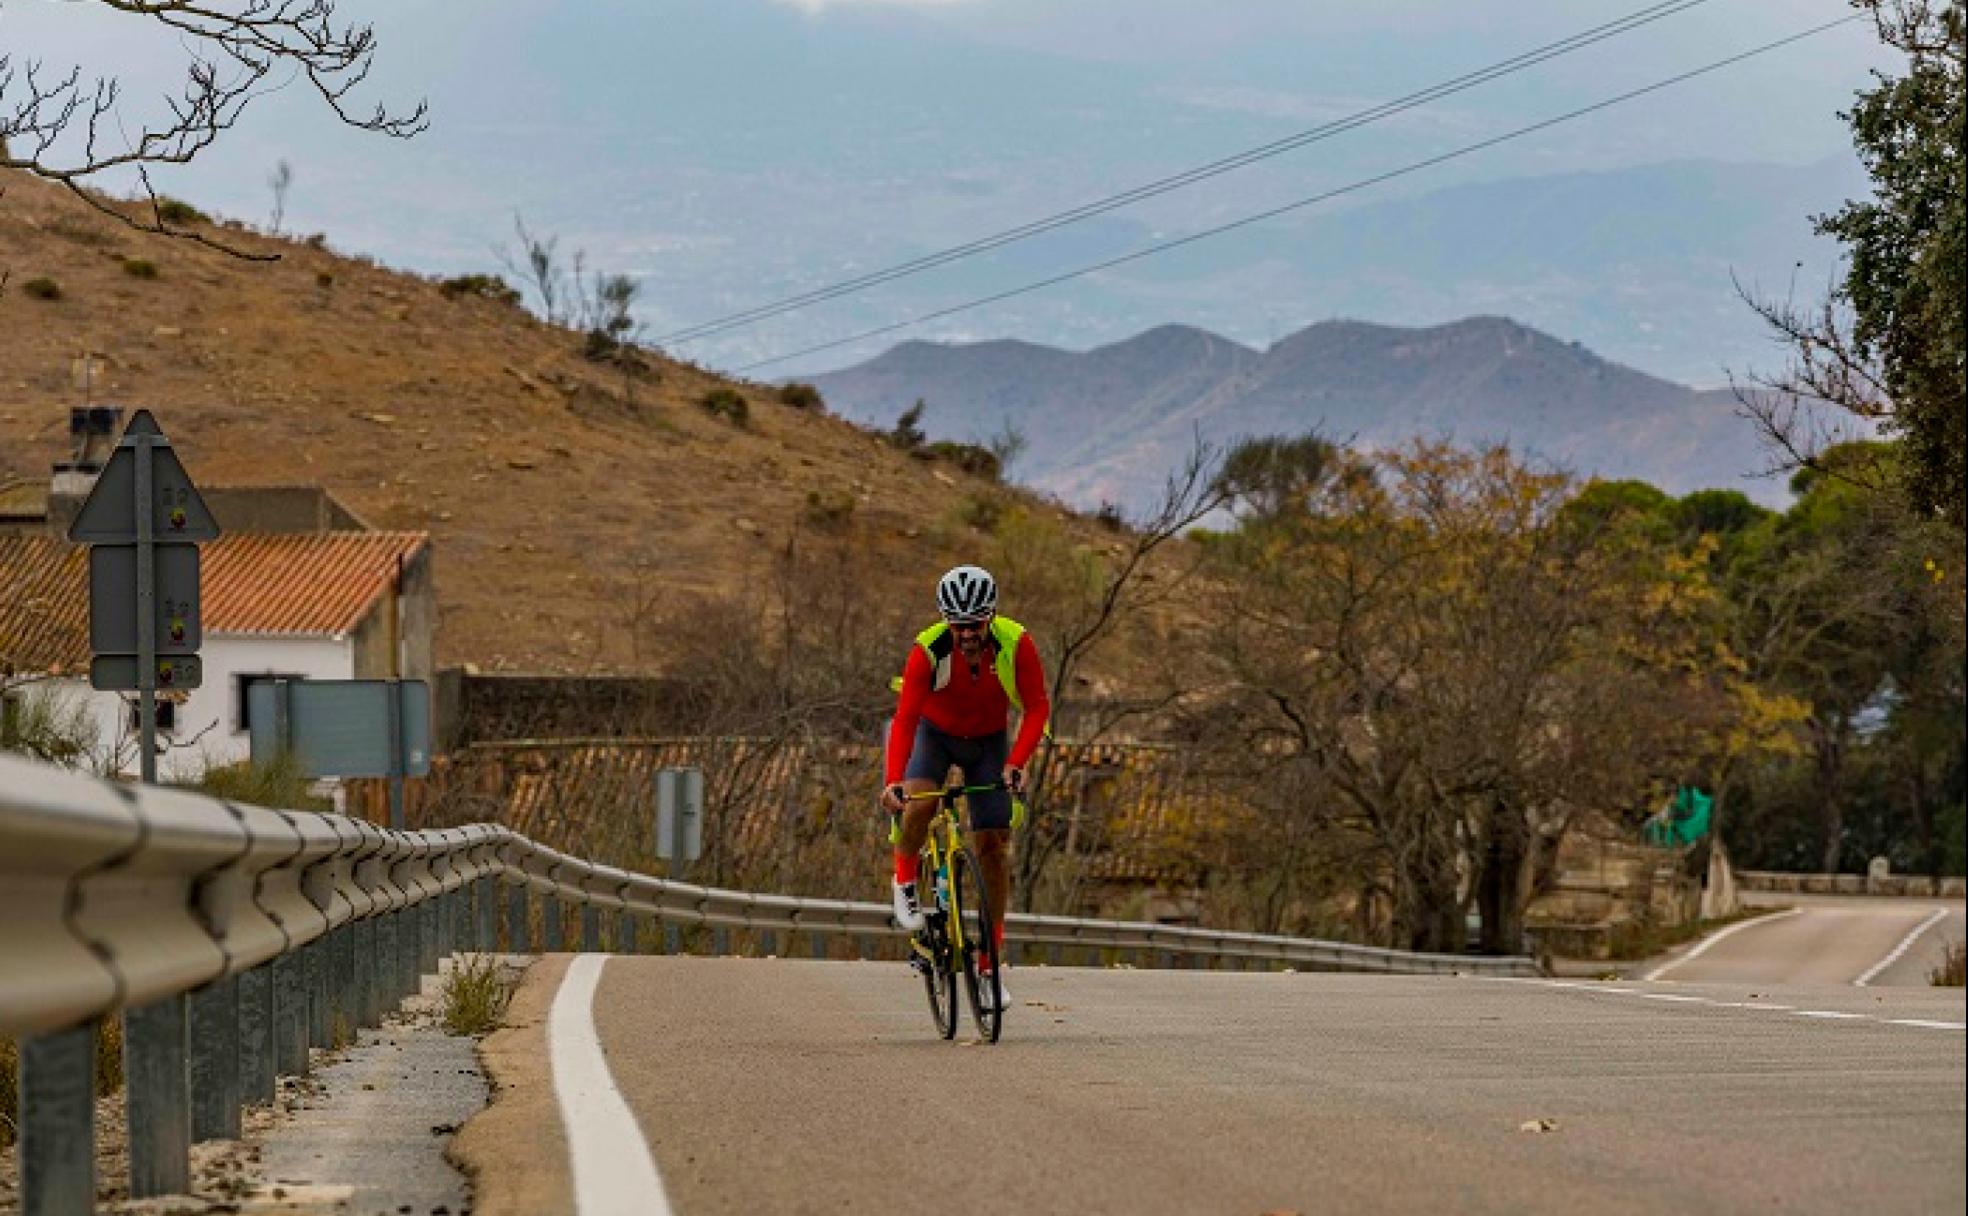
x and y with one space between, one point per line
314 973
429 926
550 913
58 1123
519 921
485 899
362 961
672 938
290 1014
256 1035
768 944
590 929
865 946
157 1106
818 944
720 942
345 1010
625 932
382 988
407 951
213 1012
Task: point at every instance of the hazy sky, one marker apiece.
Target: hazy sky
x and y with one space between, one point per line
733 151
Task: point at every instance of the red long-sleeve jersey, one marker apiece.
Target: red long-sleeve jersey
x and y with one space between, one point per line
973 703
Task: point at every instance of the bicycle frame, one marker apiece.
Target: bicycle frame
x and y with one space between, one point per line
941 849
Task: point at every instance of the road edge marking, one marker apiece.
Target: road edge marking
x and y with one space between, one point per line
1701 947
614 1173
1906 943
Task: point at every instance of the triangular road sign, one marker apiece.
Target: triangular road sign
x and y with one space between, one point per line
110 514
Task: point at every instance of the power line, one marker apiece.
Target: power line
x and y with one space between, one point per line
1249 156
1299 204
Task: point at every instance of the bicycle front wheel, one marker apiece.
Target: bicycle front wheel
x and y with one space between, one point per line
933 955
980 948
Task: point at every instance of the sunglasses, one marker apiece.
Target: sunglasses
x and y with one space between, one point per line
969 626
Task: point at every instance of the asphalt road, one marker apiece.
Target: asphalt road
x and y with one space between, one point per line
1825 939
767 1086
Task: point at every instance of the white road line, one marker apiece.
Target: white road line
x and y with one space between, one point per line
1927 1025
1872 972
1702 946
1832 1014
1669 996
614 1175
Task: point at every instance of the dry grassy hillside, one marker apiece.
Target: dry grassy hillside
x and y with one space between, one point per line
550 491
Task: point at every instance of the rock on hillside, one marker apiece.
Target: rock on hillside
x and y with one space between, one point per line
1107 423
557 492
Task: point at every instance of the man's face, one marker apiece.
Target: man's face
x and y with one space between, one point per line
970 636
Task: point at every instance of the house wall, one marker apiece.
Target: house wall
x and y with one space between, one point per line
207 730
413 612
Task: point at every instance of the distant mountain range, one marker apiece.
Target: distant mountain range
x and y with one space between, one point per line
1107 424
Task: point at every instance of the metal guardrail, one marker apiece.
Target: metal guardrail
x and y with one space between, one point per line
1917 886
232 939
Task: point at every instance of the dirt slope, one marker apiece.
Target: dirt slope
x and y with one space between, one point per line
549 489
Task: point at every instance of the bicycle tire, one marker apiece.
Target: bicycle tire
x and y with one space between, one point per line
980 947
940 975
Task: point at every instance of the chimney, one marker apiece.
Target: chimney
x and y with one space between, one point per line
92 434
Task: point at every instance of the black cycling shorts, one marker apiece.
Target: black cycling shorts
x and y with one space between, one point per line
982 760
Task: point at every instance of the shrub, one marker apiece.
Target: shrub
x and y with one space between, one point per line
829 510
1953 968
802 397
42 288
483 286
140 268
969 457
982 511
476 994
323 279
318 241
907 433
177 211
276 783
1109 517
727 403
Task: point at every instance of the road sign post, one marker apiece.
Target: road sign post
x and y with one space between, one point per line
145 520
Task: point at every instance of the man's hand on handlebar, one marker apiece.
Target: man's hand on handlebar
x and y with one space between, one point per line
893 799
1014 779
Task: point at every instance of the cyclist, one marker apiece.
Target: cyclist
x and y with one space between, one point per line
964 676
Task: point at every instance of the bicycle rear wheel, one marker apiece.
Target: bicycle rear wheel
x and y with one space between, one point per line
980 948
934 957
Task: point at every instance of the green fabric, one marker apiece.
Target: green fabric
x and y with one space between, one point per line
1683 821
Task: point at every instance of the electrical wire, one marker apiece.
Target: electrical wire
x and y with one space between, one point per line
1249 156
1299 204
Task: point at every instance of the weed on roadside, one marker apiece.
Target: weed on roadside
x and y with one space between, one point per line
1954 961
476 994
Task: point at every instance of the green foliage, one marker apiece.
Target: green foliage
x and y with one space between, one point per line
43 724
272 783
476 993
480 286
1272 477
1907 271
802 397
983 511
727 403
907 433
42 288
969 457
830 510
140 268
177 211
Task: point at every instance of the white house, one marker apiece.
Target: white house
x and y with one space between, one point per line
314 605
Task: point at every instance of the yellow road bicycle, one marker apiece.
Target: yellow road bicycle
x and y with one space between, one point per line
956 936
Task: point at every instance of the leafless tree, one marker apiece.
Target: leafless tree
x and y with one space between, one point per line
67 125
280 181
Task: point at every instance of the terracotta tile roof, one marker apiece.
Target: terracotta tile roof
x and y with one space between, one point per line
315 584
312 585
44 605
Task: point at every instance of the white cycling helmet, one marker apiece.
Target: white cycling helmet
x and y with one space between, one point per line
967 593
